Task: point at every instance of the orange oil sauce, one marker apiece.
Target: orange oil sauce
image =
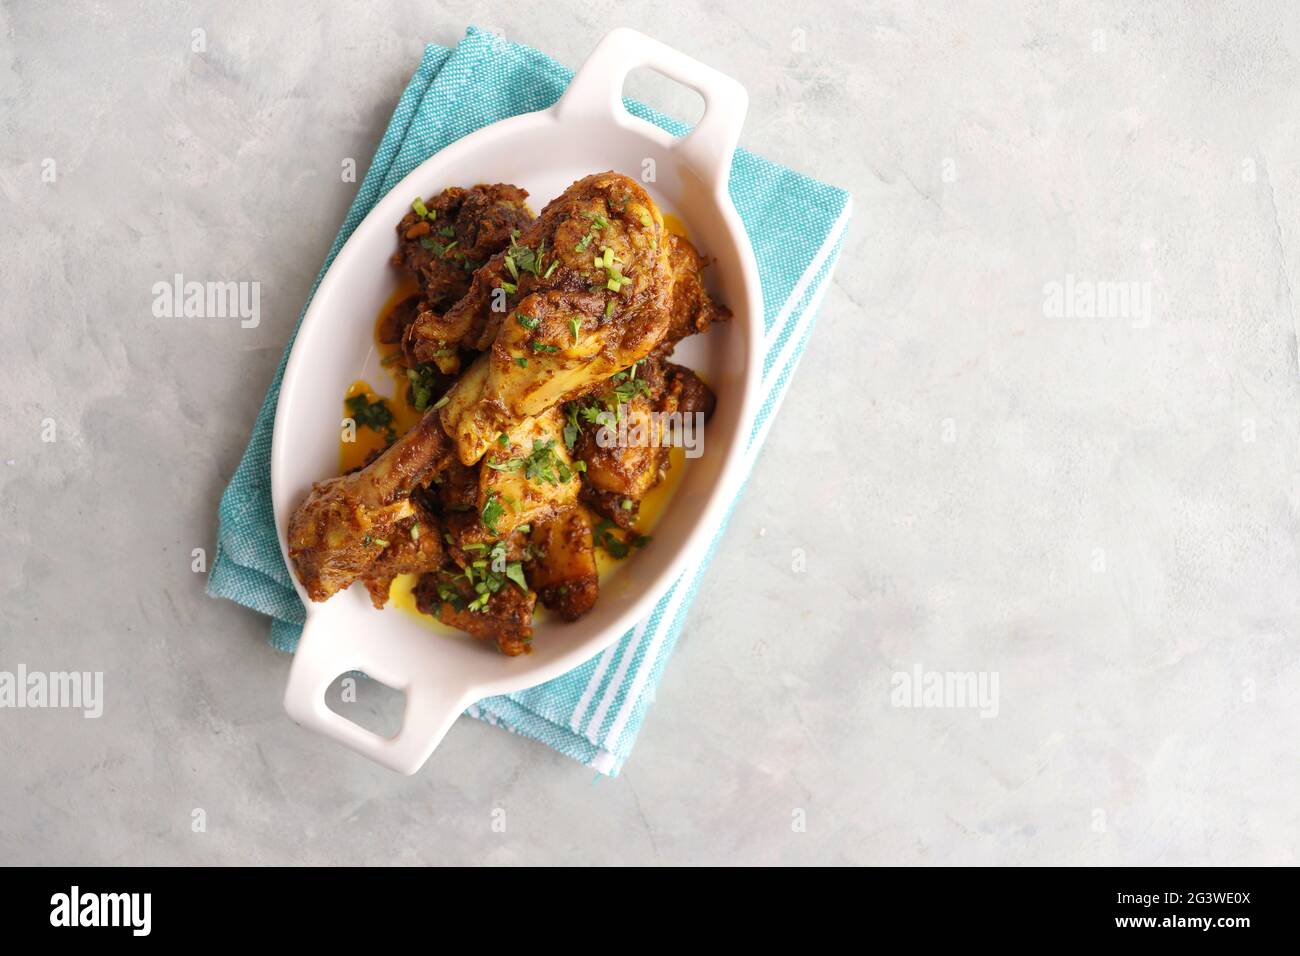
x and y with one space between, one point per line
675 225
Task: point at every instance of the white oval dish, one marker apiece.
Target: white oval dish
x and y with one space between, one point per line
586 131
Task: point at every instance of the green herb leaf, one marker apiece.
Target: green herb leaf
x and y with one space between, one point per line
423 379
376 415
571 426
604 536
492 512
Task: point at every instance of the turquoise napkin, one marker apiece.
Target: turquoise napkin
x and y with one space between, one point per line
796 226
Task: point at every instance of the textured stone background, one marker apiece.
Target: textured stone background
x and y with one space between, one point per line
1101 511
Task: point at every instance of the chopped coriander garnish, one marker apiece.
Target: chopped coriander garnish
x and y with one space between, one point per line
628 388
417 205
510 464
489 581
423 380
522 259
521 361
574 326
375 415
527 321
614 278
510 287
571 426
545 466
551 268
609 308
503 440
437 248
541 464
543 347
604 536
492 512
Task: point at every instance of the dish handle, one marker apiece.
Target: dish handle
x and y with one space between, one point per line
596 93
327 650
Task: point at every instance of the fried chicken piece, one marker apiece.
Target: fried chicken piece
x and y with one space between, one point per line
526 479
593 294
416 547
506 617
460 230
626 457
530 476
563 566
345 524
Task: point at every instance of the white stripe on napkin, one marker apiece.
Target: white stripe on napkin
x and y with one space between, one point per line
796 294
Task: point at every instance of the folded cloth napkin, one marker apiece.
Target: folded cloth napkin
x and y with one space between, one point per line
796 226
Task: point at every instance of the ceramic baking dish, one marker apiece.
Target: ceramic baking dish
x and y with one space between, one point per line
587 130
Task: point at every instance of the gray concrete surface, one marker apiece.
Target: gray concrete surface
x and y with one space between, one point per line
1099 513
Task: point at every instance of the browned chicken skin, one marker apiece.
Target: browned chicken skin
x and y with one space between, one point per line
625 459
693 309
415 547
346 523
563 565
507 619
460 230
595 297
